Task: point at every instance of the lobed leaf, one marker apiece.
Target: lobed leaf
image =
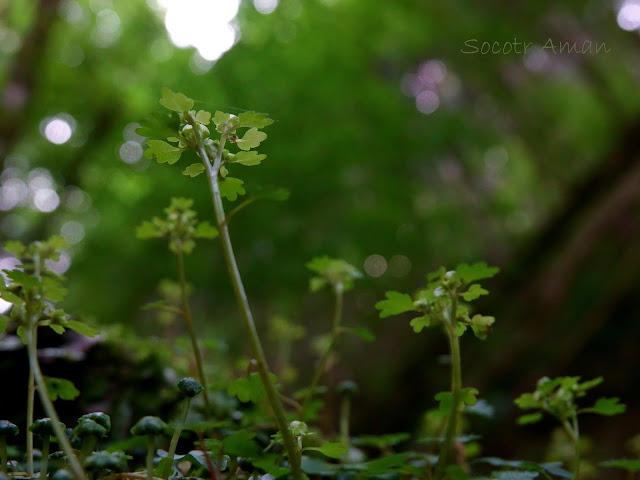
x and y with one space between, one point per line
251 139
474 292
419 323
178 102
249 159
203 117
60 388
331 450
163 152
253 119
395 304
206 230
82 328
231 187
193 170
608 407
477 271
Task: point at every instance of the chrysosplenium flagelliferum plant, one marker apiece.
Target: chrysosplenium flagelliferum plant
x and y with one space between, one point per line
233 433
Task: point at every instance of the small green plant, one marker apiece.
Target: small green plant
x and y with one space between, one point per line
34 292
557 398
181 228
185 129
441 303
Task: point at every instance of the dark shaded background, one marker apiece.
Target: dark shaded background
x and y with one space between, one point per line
393 142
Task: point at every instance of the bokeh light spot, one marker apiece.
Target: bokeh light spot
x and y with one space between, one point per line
375 265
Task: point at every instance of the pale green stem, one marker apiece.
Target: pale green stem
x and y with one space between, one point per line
31 395
456 386
192 333
44 463
49 408
245 310
174 440
322 364
572 430
150 455
345 411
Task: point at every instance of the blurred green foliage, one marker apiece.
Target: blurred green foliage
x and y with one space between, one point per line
527 161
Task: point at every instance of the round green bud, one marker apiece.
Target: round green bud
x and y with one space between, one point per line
190 387
8 429
348 387
89 428
43 427
100 418
149 426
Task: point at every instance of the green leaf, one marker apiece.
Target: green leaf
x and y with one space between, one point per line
364 333
608 407
626 464
60 387
24 279
163 152
241 444
317 283
420 322
527 401
59 329
481 325
529 418
147 230
203 117
82 328
253 119
249 159
590 383
178 102
395 304
3 322
16 247
10 297
474 292
206 230
159 125
231 187
385 464
22 334
271 466
381 441
469 395
193 170
248 389
53 290
251 139
477 271
331 450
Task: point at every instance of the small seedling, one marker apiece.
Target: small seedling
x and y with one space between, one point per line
557 398
151 427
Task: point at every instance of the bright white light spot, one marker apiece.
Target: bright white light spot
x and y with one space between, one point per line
72 231
58 131
46 200
107 28
375 265
62 265
629 16
38 182
12 193
209 31
427 102
71 11
265 6
199 65
399 266
130 152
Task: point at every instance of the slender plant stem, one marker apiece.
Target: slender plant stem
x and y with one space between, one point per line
31 395
573 432
48 405
322 364
44 463
186 310
456 386
174 440
345 411
3 455
150 454
245 310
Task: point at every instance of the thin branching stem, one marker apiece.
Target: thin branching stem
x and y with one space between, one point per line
456 386
186 313
212 167
322 364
